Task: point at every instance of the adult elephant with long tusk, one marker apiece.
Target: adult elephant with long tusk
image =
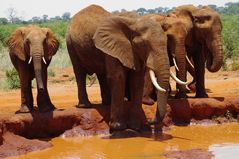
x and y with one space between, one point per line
118 49
31 49
176 32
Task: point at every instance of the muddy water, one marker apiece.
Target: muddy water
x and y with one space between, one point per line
221 140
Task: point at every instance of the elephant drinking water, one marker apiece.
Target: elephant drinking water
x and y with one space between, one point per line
118 49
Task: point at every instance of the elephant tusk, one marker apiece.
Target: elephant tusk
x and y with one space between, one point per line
178 80
175 63
189 62
154 81
44 60
30 60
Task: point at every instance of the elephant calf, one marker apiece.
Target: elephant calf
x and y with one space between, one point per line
31 49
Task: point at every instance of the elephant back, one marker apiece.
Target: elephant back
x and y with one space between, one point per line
83 24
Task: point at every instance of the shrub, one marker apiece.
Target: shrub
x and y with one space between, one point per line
5 32
51 73
230 34
13 81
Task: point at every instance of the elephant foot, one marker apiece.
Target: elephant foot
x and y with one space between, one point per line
201 95
46 108
25 109
134 124
147 100
180 95
116 126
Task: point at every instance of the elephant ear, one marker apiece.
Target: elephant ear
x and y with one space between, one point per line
111 38
16 43
52 43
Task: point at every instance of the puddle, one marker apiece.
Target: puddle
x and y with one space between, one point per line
209 138
225 151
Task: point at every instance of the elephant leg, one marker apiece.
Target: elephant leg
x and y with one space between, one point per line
80 79
148 89
136 93
105 92
199 62
26 90
43 99
116 78
82 93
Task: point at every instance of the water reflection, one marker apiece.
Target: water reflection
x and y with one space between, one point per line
225 151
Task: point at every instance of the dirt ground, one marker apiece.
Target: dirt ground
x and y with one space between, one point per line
63 89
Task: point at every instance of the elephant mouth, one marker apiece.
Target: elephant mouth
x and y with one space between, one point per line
157 86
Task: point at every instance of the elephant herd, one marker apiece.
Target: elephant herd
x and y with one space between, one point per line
126 52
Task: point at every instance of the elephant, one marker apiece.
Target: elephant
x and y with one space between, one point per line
118 49
31 49
176 32
203 42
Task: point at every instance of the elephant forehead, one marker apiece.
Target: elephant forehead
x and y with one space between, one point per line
206 12
36 35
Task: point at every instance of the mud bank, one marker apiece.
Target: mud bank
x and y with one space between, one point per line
93 121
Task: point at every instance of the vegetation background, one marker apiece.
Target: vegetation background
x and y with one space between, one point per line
229 15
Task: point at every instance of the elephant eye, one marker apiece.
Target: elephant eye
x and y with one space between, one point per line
202 19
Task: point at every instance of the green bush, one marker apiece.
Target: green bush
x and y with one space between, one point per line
13 81
230 35
5 32
51 72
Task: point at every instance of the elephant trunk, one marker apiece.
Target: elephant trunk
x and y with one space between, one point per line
162 97
180 55
162 74
215 56
37 59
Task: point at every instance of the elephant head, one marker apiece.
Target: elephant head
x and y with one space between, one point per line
32 43
207 28
176 32
137 42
